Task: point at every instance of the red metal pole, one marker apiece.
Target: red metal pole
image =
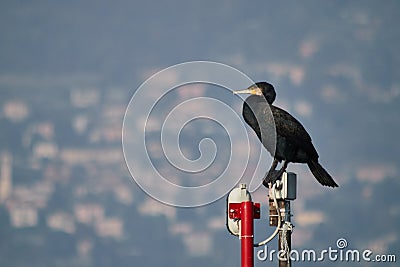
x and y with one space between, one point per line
247 235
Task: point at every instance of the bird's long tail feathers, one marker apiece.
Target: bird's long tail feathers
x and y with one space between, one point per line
321 174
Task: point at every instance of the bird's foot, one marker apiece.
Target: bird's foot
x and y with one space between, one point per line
271 178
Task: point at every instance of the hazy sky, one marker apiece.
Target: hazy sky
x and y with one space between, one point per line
335 66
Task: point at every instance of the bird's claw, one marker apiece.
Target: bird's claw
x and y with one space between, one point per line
271 178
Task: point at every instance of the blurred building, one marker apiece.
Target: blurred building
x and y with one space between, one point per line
5 175
23 216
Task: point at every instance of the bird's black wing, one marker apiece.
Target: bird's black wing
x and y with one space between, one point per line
290 128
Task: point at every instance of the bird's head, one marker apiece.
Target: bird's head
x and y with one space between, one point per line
261 89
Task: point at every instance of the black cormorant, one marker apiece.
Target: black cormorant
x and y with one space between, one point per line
293 143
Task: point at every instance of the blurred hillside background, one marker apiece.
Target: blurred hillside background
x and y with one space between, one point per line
69 68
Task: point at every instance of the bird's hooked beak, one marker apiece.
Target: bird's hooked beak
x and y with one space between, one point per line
250 90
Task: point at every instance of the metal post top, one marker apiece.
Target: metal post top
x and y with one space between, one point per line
286 187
